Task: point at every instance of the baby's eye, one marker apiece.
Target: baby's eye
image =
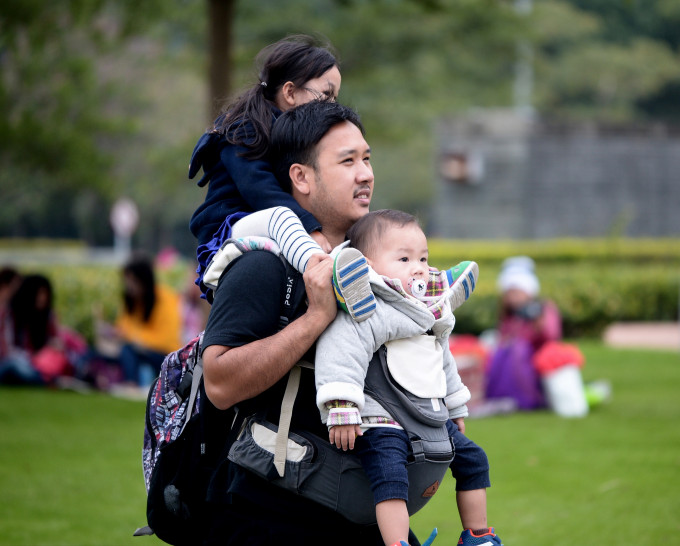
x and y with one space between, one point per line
403 259
424 260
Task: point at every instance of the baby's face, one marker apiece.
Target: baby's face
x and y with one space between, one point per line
401 254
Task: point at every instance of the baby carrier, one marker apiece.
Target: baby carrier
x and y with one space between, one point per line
308 465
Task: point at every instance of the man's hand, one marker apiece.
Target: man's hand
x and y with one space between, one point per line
320 239
343 436
320 295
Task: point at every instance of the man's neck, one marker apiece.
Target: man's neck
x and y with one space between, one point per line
335 237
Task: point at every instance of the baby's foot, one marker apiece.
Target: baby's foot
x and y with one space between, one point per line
462 280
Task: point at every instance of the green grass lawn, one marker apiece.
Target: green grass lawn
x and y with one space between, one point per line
70 466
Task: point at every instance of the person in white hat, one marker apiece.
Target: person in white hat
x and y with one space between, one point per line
526 323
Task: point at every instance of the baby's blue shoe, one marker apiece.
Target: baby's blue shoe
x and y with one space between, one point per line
488 538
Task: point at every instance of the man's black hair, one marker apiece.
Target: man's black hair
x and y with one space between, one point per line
297 132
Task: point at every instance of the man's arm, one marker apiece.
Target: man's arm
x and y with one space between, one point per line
233 374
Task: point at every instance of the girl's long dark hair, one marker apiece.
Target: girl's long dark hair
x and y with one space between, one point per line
141 269
31 325
248 120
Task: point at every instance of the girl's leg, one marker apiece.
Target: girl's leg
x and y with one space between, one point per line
350 276
282 225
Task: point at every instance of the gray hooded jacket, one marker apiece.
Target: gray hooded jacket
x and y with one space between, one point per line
421 363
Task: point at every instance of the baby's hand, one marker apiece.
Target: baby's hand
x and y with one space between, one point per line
321 240
343 436
460 423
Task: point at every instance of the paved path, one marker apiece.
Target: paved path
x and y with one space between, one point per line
649 335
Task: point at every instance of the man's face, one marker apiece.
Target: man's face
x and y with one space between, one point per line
341 182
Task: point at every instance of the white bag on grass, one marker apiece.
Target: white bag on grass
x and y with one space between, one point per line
564 391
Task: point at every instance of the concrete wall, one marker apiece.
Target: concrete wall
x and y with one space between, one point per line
506 176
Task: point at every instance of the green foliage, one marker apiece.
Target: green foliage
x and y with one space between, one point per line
607 61
102 99
70 466
70 114
593 282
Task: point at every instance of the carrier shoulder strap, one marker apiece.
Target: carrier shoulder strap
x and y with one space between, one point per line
291 304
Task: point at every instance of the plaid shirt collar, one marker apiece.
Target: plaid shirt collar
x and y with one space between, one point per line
435 293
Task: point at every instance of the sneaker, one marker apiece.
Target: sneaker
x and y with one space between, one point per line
351 286
489 538
462 281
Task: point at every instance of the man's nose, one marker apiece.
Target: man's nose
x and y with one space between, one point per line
365 173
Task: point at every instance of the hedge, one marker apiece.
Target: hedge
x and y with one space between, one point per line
594 282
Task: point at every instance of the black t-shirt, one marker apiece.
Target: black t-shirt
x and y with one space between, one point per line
245 509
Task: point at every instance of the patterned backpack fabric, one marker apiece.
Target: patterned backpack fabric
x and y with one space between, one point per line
170 405
179 453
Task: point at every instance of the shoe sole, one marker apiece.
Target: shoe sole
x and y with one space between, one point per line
467 280
351 286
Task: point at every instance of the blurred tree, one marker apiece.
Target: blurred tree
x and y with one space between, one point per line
54 111
220 21
103 98
615 60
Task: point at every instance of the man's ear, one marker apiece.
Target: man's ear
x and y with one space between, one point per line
288 93
299 178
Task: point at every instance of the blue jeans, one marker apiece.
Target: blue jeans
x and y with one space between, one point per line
16 369
132 358
384 453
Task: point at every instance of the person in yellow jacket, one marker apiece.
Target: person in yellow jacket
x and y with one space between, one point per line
150 322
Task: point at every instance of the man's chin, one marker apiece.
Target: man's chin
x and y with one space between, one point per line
360 213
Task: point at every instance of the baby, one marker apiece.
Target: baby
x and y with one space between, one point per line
413 306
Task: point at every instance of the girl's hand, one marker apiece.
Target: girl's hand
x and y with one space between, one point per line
460 423
321 240
343 436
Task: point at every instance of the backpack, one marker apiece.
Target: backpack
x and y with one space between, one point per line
178 458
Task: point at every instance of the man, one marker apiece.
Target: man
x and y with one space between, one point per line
322 149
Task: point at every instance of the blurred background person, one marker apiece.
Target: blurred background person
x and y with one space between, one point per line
148 326
194 309
15 364
37 349
526 323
